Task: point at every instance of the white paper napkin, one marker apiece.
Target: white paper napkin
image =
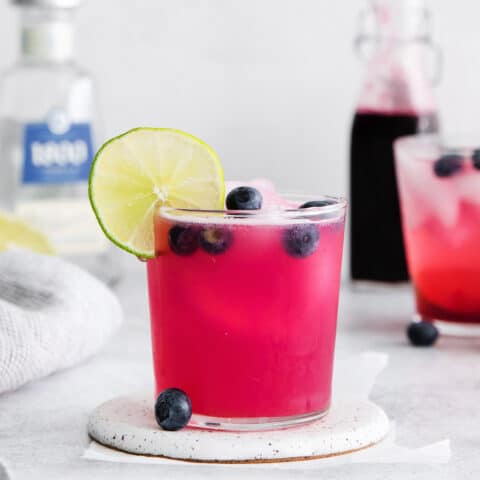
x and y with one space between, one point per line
367 367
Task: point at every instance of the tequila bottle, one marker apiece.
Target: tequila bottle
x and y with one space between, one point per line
48 135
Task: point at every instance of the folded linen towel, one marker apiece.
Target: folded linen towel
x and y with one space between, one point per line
52 315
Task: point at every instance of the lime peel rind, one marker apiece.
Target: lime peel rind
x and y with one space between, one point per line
214 198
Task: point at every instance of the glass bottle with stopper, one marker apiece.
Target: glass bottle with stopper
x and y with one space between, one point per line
396 100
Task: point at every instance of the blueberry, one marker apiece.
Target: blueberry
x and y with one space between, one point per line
476 159
215 240
318 203
301 240
244 198
448 165
422 334
183 240
173 409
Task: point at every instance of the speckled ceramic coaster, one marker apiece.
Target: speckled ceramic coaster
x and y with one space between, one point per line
128 424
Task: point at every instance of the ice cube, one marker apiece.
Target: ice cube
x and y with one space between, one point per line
467 185
423 194
272 200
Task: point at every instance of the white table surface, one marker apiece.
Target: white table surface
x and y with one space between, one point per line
432 394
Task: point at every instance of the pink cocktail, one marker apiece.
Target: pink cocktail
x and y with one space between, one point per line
440 200
244 310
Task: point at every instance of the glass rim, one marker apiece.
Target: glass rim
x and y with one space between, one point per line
418 138
457 142
289 213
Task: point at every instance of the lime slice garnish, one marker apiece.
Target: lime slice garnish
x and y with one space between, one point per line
15 233
134 173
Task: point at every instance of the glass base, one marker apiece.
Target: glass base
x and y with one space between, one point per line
252 424
451 329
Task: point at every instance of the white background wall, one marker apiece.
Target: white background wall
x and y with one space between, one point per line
271 84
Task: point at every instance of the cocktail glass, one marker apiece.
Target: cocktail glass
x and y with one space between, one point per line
244 310
439 185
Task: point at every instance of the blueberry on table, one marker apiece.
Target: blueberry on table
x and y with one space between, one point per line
476 159
422 334
301 240
244 198
448 165
215 240
183 240
317 203
173 409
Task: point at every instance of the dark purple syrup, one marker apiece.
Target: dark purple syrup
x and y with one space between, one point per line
376 243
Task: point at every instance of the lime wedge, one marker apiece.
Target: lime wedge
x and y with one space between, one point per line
14 233
136 172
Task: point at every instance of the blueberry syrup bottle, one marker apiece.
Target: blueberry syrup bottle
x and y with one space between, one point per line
396 100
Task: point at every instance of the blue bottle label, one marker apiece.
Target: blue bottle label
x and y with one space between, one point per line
57 155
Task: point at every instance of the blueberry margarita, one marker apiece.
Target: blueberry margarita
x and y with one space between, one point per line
244 309
243 288
440 202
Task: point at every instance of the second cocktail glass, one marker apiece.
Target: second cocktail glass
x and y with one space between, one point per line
439 185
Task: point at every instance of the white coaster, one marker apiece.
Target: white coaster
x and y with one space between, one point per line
128 424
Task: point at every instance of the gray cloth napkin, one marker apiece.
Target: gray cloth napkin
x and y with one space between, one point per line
52 315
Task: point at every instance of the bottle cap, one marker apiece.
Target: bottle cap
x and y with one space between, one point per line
47 3
47 29
52 41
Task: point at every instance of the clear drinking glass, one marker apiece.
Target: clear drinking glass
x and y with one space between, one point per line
439 185
244 311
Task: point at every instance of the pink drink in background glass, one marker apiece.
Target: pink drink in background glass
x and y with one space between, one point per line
440 200
249 332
